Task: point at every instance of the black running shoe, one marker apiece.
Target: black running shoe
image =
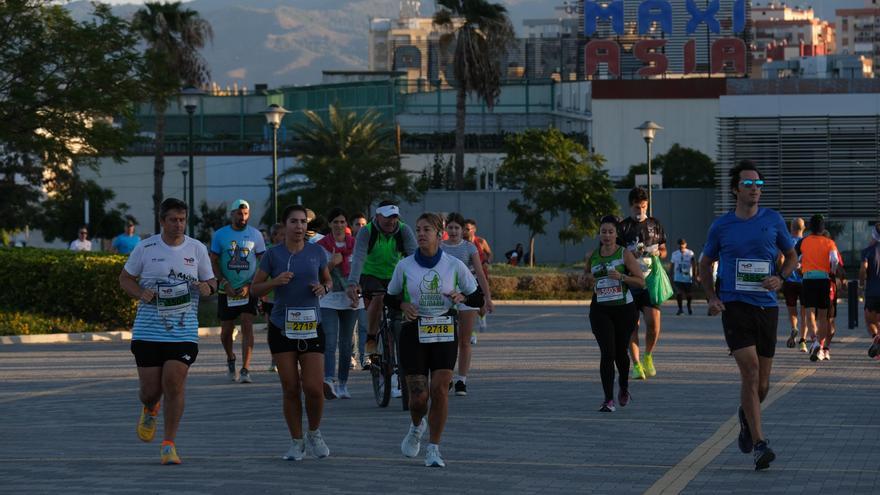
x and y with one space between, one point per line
745 434
460 388
791 339
874 350
764 455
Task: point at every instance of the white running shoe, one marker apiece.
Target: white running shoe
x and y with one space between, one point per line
315 445
329 389
482 323
432 456
342 391
473 338
412 442
297 450
395 389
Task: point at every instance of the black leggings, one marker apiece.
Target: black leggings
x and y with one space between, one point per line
613 326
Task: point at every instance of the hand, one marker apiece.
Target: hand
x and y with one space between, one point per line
410 312
204 288
147 295
456 297
772 283
489 306
283 279
352 292
336 259
715 306
243 291
615 275
319 289
653 250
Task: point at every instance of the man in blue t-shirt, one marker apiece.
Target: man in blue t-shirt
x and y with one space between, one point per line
746 241
869 281
124 243
235 254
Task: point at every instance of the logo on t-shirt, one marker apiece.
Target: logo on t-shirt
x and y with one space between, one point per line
189 261
429 290
238 255
180 276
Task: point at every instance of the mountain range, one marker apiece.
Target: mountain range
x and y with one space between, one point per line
283 43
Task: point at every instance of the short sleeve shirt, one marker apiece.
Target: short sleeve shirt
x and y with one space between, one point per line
306 266
683 266
747 252
463 251
428 288
238 251
635 236
871 254
125 244
160 265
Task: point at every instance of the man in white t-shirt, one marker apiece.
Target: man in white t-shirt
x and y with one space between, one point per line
82 242
683 275
166 273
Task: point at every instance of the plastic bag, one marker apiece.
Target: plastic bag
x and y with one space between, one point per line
658 285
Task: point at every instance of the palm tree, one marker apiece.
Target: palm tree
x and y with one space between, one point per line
346 160
174 36
481 33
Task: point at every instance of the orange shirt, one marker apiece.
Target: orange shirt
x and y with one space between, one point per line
816 253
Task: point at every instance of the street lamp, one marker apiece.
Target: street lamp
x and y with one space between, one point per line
191 97
648 129
274 113
184 167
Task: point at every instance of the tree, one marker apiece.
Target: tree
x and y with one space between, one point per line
680 166
208 220
480 34
66 98
556 175
174 35
348 160
62 212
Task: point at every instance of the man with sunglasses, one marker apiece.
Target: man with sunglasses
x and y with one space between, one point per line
81 243
746 241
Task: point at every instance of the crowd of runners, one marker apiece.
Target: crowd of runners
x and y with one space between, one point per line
325 284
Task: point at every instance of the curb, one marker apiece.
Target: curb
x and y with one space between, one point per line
119 336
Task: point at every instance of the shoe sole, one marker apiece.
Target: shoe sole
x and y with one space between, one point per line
461 394
764 461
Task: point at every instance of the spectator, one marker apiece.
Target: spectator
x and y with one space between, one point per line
81 243
125 242
515 255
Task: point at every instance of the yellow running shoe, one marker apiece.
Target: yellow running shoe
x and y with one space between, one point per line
146 428
649 365
169 454
638 373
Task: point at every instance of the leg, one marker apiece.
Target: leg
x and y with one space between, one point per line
764 367
623 327
810 322
822 331
439 403
150 385
226 329
634 343
247 339
466 326
374 313
173 387
288 373
330 324
792 316
678 298
750 375
652 328
347 322
311 365
603 330
362 333
418 397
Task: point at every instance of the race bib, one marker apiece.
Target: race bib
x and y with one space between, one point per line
236 301
301 323
608 290
172 298
750 273
434 329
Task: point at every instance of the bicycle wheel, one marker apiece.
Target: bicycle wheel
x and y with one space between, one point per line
401 379
380 371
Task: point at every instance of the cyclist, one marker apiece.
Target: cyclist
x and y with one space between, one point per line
166 273
426 286
296 338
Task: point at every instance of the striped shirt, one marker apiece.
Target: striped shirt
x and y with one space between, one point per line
464 250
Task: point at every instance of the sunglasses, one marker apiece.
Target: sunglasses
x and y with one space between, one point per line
749 183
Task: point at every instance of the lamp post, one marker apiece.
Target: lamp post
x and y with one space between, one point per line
191 97
274 113
184 167
648 129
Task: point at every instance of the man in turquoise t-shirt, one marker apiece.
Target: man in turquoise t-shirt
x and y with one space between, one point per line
235 254
124 243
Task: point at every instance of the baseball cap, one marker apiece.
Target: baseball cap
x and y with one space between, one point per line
388 211
239 204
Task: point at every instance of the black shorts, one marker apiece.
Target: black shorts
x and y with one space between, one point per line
225 313
872 304
372 286
642 299
749 325
420 359
816 293
279 343
148 354
684 287
792 293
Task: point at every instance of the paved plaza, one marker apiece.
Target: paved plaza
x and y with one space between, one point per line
529 425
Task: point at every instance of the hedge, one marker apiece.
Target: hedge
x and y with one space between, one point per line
66 284
19 323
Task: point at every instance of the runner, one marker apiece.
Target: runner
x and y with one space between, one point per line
357 221
838 283
613 314
869 281
683 275
470 234
378 247
468 253
235 251
791 290
276 237
644 237
338 317
299 276
818 260
426 286
746 241
166 273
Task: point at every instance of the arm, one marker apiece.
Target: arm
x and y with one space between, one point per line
325 282
587 279
358 256
483 282
409 240
487 250
636 279
129 284
774 282
863 273
215 265
662 249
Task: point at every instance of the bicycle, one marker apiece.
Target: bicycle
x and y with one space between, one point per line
386 363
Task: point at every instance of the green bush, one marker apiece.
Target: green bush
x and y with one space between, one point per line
18 323
66 284
543 283
502 285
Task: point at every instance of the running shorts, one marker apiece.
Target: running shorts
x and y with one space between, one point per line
684 287
227 313
792 293
279 343
749 325
816 293
149 354
420 359
642 299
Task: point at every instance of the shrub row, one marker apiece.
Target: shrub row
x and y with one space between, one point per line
19 323
66 284
503 287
